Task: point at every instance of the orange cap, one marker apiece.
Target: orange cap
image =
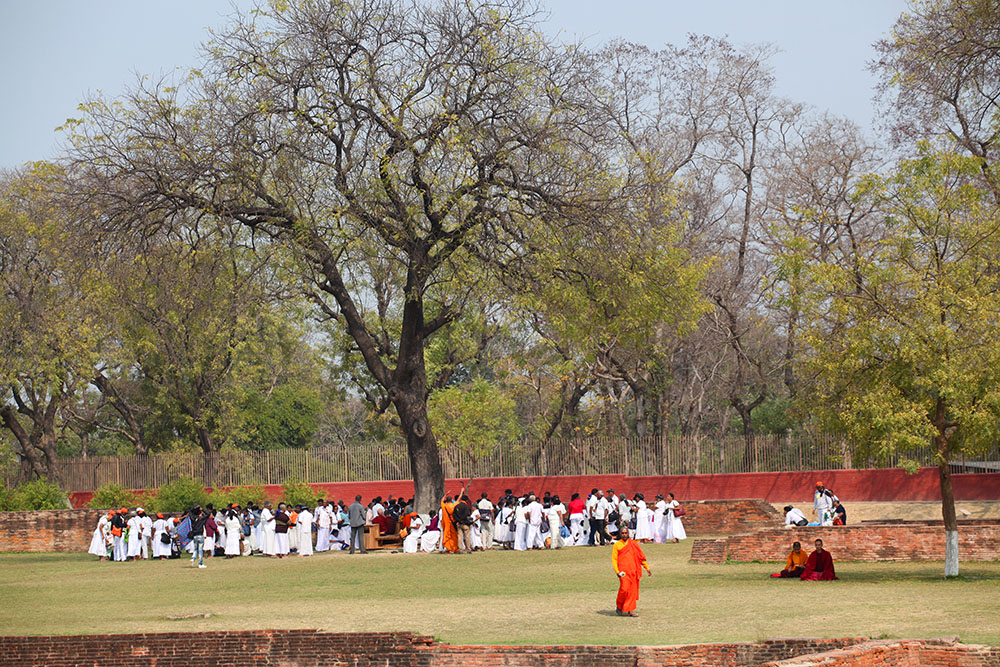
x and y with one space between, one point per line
124 509
819 483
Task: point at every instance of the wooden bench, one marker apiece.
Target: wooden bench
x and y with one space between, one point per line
374 539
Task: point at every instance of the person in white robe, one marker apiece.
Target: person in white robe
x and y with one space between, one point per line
324 523
233 533
553 517
521 526
293 529
146 522
660 520
475 537
100 540
430 541
134 547
161 527
257 531
340 539
267 531
220 534
412 540
643 520
304 529
675 527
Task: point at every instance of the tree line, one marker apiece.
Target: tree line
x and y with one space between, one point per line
430 220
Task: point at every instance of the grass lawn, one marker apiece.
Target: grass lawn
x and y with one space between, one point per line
563 597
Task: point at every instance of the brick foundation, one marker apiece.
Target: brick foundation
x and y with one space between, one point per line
867 542
308 648
48 530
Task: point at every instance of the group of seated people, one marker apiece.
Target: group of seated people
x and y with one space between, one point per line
837 516
817 566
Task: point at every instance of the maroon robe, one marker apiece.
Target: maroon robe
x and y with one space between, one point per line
819 567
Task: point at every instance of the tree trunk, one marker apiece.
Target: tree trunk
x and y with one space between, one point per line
408 394
947 508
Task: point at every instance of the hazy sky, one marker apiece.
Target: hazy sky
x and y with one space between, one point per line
53 52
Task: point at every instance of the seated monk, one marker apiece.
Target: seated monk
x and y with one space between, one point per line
795 565
386 526
819 567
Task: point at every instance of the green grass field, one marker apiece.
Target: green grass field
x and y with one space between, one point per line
564 597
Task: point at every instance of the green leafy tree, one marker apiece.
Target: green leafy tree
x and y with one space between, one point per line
906 342
113 496
180 495
473 418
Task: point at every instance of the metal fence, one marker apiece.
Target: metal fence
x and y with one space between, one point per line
671 455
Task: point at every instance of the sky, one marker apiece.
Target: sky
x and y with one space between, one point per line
53 53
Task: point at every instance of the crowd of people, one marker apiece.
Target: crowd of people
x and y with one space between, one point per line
826 505
517 522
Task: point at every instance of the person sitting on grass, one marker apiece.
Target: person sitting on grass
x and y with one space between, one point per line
795 565
819 567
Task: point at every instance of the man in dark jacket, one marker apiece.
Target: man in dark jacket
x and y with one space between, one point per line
463 523
198 520
356 517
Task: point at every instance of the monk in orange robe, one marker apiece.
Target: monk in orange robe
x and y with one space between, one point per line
449 534
628 562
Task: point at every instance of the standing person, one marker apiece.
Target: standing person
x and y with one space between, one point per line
356 518
146 527
675 527
554 517
599 519
628 562
100 540
234 531
198 519
267 530
119 523
211 532
449 530
521 525
462 515
486 513
660 520
576 508
257 531
305 524
324 524
823 503
536 513
643 520
134 526
281 524
161 528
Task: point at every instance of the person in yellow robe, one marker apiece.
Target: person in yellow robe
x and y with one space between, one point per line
449 533
628 562
795 565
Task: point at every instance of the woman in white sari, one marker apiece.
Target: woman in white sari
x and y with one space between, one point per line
411 543
643 520
675 527
660 520
267 531
233 533
102 537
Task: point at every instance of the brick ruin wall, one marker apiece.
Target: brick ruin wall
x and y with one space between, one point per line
308 648
978 540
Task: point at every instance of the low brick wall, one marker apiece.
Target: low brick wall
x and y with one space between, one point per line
900 653
309 648
726 517
867 542
48 530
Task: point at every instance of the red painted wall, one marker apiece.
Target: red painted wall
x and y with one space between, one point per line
851 485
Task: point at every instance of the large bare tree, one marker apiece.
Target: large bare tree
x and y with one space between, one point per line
422 135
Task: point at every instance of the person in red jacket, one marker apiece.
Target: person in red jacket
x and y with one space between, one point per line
628 562
819 567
